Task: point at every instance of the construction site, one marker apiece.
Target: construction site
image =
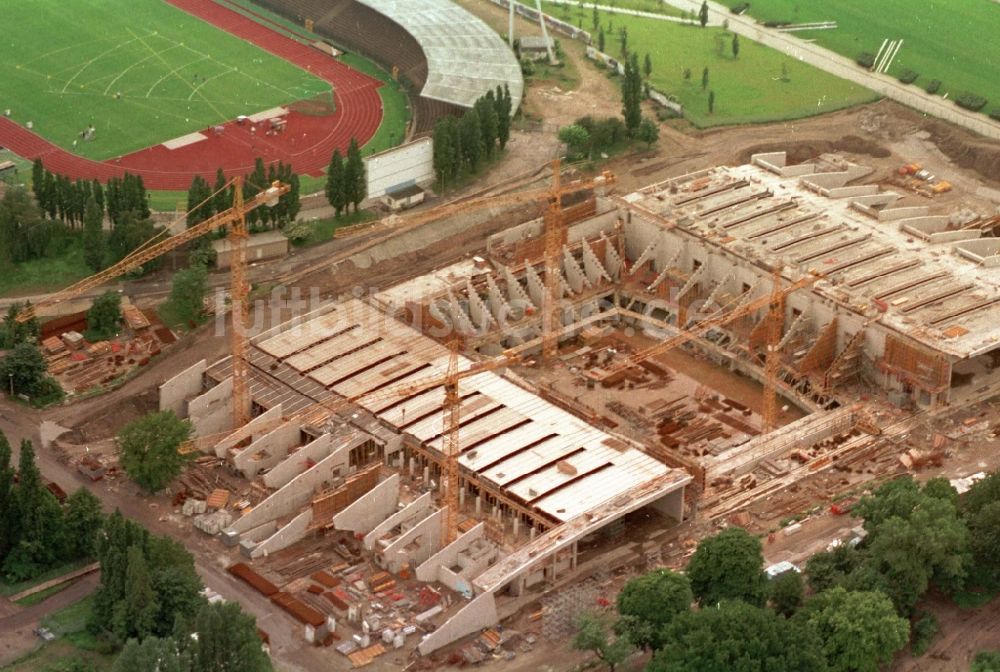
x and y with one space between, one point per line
410 468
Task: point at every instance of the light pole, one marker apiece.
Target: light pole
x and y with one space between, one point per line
10 376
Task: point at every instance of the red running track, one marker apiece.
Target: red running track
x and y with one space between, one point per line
307 143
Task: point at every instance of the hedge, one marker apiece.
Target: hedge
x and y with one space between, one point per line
865 59
740 7
971 101
933 86
908 76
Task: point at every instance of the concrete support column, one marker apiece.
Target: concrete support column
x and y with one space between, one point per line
573 556
479 505
517 524
427 474
461 495
413 467
531 533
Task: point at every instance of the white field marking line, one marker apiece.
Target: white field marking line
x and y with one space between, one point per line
171 74
254 79
206 81
95 58
56 51
174 71
139 62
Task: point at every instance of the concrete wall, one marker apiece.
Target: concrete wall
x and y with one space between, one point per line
425 538
286 536
212 412
298 462
254 429
671 505
412 163
296 493
268 450
371 508
478 614
416 508
175 392
428 570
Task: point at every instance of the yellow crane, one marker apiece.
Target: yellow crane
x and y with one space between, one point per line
774 301
235 219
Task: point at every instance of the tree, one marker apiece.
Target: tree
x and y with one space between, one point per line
187 294
505 108
632 95
149 449
128 234
93 236
736 45
336 192
38 536
20 217
737 637
647 66
592 635
785 592
986 661
915 537
104 316
600 39
827 569
575 137
84 520
8 509
728 566
38 180
703 14
488 122
227 640
152 655
596 18
859 630
354 175
984 535
648 132
648 603
711 102
982 493
14 332
704 79
470 132
623 41
23 370
135 614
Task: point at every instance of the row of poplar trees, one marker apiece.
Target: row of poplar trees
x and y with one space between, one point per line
462 144
346 183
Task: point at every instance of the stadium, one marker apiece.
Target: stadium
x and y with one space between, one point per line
170 90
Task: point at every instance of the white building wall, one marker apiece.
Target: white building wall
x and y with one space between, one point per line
409 163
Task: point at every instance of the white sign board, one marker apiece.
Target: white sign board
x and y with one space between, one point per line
412 163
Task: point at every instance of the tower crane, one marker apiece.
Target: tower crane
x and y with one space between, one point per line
235 219
450 421
775 301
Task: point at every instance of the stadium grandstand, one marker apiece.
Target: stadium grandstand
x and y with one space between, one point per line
445 56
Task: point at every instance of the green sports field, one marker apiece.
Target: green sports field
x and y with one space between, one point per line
140 71
954 41
748 89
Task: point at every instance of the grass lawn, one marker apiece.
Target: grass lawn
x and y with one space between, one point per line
40 276
63 65
937 36
322 229
43 595
747 90
8 589
395 106
72 642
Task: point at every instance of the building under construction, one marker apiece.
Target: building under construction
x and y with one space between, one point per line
802 280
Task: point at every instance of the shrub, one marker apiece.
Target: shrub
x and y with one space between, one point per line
739 8
908 76
995 114
776 24
933 86
865 59
971 101
924 629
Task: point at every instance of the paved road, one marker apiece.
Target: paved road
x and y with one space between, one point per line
845 68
